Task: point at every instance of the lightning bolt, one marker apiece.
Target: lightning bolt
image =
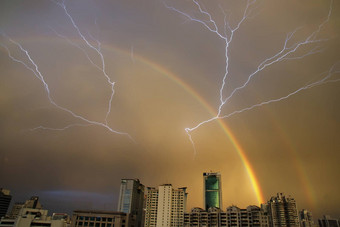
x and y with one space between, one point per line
97 50
287 52
60 129
33 67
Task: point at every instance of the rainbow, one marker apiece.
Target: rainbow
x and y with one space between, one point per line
240 151
301 172
171 76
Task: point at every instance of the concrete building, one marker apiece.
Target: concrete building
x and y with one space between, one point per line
257 216
234 216
131 199
306 218
85 218
327 221
251 216
151 205
165 206
282 211
16 209
5 200
30 217
212 190
32 203
31 214
197 217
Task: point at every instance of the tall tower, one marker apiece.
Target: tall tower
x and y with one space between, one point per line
5 200
212 190
165 206
131 198
306 218
151 206
282 211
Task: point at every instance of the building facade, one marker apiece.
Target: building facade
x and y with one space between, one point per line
5 200
151 205
165 206
32 217
212 190
131 199
233 217
282 211
87 218
327 221
32 203
306 218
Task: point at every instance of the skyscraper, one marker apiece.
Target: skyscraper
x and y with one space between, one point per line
212 190
165 206
5 200
282 211
131 199
151 206
306 218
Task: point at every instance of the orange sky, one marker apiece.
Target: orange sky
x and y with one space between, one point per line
168 72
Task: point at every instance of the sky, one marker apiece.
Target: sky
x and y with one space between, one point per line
166 60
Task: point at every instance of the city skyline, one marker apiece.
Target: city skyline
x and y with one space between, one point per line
135 187
113 90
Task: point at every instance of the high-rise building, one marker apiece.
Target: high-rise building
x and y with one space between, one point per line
282 211
165 206
131 199
151 205
5 200
212 190
306 218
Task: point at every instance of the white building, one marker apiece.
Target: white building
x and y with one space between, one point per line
165 206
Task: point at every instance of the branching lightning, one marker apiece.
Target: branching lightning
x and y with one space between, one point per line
287 52
60 129
33 67
96 49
